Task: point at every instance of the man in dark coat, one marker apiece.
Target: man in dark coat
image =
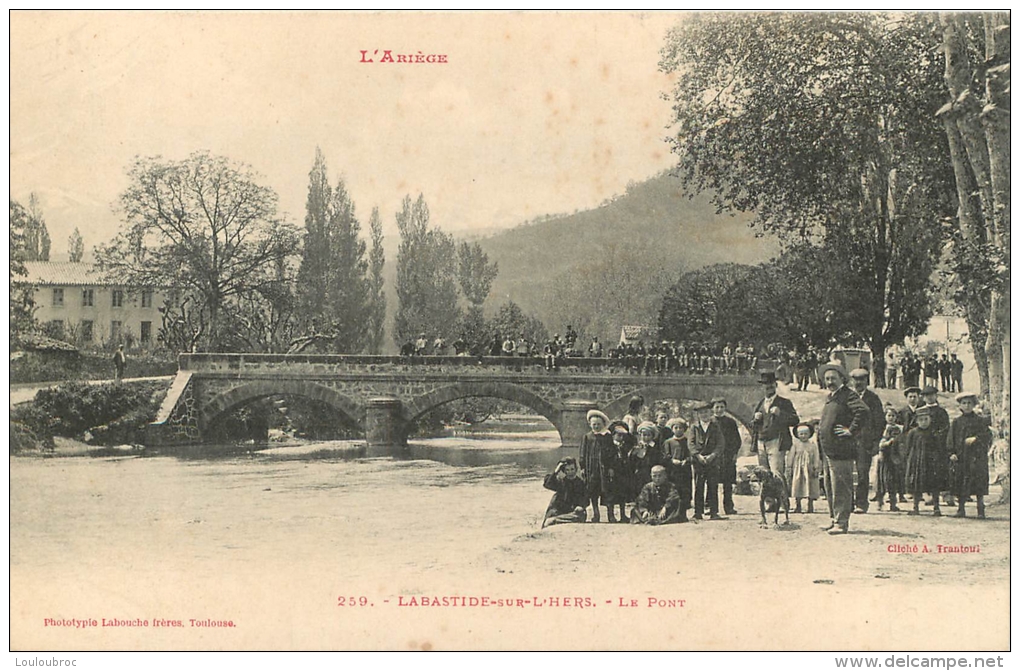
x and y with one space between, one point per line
968 443
705 441
945 370
571 497
731 440
956 371
931 370
867 446
844 417
774 417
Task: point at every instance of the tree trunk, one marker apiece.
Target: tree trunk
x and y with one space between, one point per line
980 360
878 363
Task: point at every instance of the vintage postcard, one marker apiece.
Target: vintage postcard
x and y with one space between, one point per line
510 331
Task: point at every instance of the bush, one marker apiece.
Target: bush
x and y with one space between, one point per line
112 413
31 428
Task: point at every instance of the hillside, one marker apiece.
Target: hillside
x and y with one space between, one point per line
622 255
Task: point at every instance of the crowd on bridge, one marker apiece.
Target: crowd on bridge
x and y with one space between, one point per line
649 471
795 366
668 356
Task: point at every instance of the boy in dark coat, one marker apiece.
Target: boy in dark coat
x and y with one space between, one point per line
658 502
939 425
968 443
731 440
569 502
707 446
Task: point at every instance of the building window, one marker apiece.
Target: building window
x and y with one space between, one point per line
115 330
146 299
118 298
88 298
146 333
55 329
86 330
58 298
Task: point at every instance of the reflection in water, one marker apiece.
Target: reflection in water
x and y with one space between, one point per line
523 441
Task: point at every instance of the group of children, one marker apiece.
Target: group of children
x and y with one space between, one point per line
657 468
922 452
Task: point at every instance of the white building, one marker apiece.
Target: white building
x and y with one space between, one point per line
76 302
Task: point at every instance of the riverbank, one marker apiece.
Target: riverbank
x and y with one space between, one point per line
282 547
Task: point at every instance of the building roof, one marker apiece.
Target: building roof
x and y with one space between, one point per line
64 273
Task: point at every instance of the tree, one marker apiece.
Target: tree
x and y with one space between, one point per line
690 308
36 237
75 246
840 147
976 120
475 273
376 294
511 322
332 288
791 300
20 297
204 226
426 276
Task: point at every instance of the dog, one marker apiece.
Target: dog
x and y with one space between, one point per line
773 488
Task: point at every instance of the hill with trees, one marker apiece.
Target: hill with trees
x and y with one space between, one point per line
602 268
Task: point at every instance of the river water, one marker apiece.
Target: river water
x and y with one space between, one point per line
271 538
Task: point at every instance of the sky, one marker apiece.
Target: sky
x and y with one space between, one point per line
532 114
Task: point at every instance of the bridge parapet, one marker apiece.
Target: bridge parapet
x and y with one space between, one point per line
338 364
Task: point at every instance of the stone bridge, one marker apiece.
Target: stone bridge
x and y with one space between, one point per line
385 395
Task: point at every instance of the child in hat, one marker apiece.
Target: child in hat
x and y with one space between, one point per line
620 485
968 443
677 458
804 466
925 457
595 451
644 455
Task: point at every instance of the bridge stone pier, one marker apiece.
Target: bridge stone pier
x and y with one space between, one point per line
385 396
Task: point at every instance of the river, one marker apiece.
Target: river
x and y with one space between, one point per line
271 538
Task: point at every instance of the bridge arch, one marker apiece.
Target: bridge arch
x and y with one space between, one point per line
508 391
246 393
739 400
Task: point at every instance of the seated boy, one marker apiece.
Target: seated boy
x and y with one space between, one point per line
571 497
658 502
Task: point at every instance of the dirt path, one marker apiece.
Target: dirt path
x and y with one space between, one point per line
274 544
